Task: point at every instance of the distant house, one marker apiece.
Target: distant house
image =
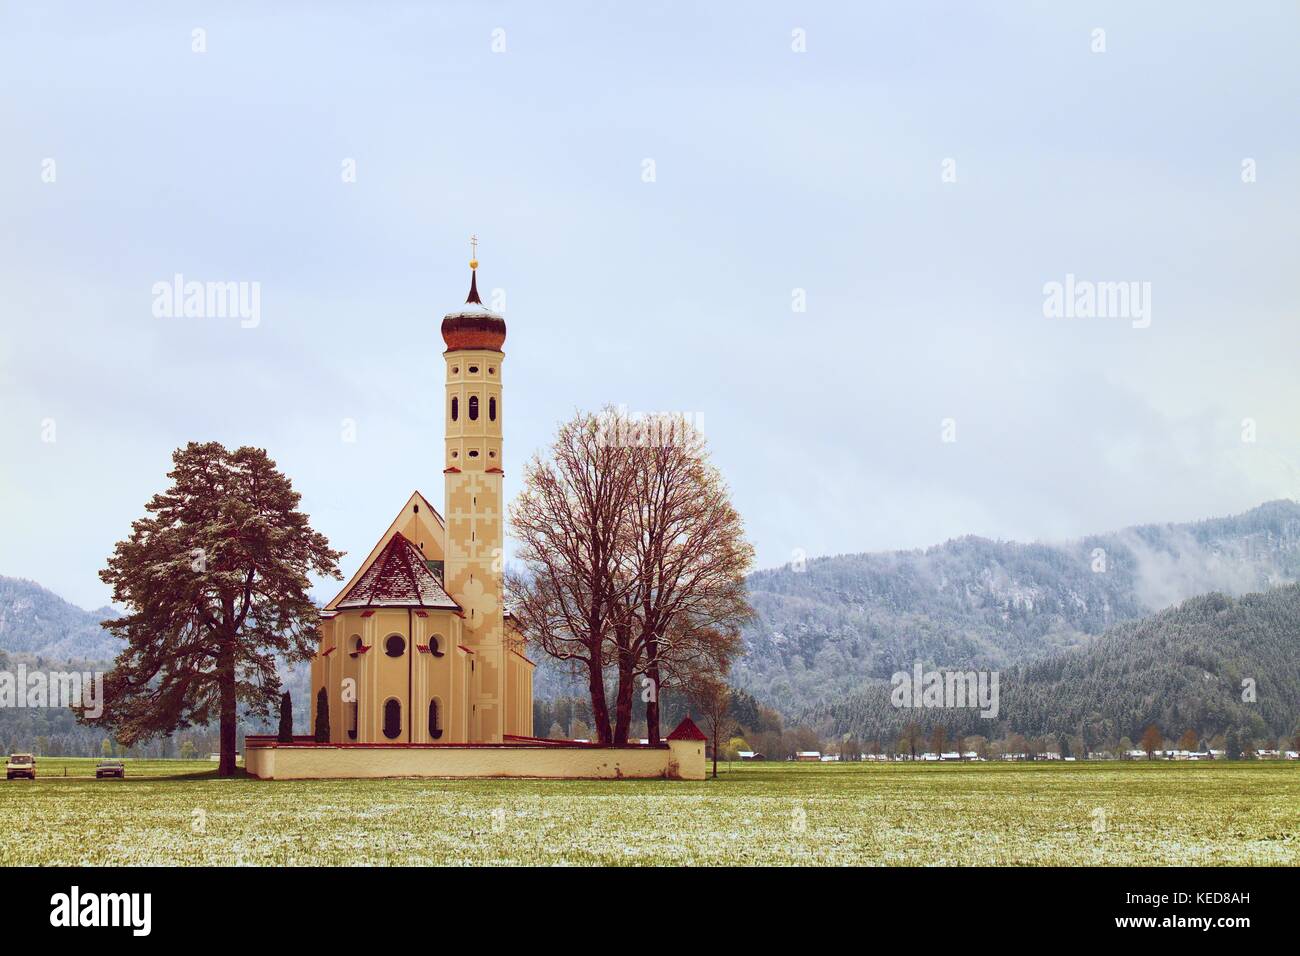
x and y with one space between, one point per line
810 756
953 755
829 758
750 755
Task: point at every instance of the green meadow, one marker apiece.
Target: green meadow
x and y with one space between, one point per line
1095 814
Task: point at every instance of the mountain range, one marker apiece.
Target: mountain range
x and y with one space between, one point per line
39 622
1081 627
1212 664
825 630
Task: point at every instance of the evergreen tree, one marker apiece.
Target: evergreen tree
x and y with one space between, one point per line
1232 744
215 577
322 729
285 736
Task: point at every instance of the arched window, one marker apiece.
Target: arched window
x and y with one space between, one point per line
356 645
395 646
492 408
352 731
434 645
455 408
392 718
473 408
435 725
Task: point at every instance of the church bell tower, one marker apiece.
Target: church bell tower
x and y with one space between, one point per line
474 562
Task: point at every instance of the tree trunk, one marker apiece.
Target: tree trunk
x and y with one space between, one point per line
599 708
226 679
623 697
652 705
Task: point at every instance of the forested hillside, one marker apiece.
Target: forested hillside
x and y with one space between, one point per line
43 632
1180 669
827 636
36 621
823 631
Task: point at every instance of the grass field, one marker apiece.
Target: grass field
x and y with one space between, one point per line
178 812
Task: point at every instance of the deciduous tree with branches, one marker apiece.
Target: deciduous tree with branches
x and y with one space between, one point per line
634 560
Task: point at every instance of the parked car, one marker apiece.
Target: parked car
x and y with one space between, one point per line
110 768
20 765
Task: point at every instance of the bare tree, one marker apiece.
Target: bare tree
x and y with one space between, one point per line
569 520
635 560
685 560
711 698
911 739
1152 741
938 737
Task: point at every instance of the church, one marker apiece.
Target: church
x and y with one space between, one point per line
417 648
420 670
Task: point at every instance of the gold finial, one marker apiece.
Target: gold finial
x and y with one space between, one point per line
473 260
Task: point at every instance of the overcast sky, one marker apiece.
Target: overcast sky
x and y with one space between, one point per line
829 171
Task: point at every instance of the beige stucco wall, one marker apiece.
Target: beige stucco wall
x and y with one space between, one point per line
412 678
475 514
681 759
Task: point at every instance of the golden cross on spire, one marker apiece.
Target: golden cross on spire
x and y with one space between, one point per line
473 260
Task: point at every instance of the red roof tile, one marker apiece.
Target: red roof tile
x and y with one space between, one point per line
398 577
687 730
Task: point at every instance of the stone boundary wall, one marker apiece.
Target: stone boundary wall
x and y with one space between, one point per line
268 760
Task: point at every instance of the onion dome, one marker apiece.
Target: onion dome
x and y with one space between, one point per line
473 325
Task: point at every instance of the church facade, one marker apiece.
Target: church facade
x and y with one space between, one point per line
420 670
418 648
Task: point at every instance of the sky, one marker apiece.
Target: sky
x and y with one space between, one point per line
827 231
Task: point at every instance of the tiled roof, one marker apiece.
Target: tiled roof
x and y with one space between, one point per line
687 730
398 577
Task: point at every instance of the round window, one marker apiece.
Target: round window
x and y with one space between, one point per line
395 646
